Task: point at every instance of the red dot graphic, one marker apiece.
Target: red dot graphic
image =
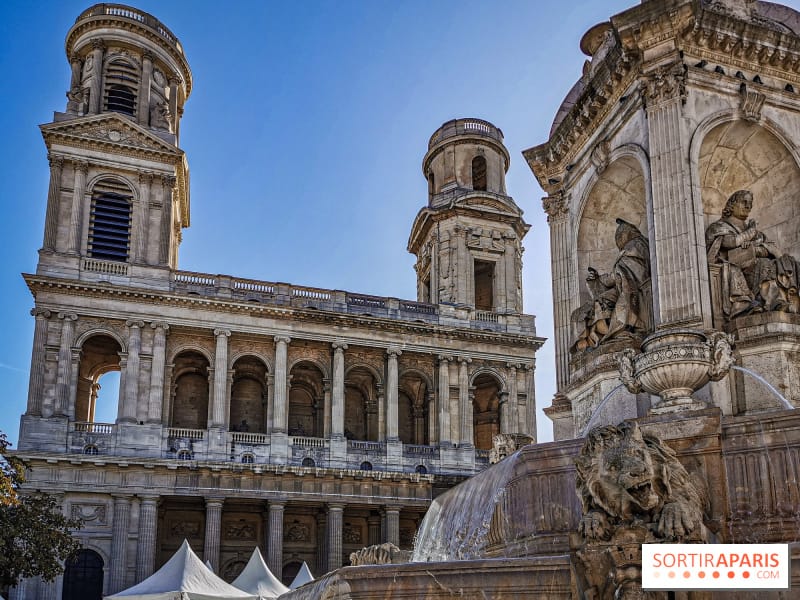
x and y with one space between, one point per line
746 574
686 574
715 574
672 574
702 574
731 574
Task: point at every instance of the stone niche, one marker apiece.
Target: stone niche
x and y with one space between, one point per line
743 155
617 192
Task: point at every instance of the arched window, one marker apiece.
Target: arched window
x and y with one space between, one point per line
97 393
485 410
83 576
421 469
431 183
248 459
479 173
190 391
184 455
366 466
91 450
110 221
122 81
309 462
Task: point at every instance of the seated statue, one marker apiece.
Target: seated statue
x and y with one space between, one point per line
617 307
754 276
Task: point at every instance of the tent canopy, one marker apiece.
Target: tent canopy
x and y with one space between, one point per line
303 577
256 578
185 576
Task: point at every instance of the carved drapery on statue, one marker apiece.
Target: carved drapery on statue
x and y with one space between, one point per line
754 276
620 304
633 490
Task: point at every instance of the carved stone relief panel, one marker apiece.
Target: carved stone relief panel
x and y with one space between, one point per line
353 532
92 514
239 529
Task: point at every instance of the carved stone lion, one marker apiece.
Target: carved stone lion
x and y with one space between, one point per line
380 554
627 478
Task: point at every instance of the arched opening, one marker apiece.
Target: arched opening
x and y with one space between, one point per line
290 571
97 396
83 576
485 410
190 391
479 174
121 83
431 183
360 405
249 395
484 284
413 409
110 221
306 401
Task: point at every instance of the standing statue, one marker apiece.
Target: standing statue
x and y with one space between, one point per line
754 275
620 303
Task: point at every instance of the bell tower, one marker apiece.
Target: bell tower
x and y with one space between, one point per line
468 239
119 182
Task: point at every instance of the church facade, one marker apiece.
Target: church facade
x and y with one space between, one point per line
310 422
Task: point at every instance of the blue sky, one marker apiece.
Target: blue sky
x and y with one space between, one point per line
305 133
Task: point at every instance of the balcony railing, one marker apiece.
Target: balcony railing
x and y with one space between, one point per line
307 442
243 437
126 12
365 446
189 434
95 428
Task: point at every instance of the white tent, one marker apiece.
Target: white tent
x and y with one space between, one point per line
210 567
303 577
183 576
256 578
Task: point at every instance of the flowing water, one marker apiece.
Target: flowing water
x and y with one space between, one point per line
597 410
769 386
457 523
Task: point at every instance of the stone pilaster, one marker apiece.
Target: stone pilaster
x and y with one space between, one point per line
676 273
373 530
275 543
53 203
96 89
119 544
337 409
142 218
146 547
280 394
219 399
144 89
75 64
74 370
464 403
392 391
168 183
36 381
465 284
322 543
509 422
326 408
530 403
174 82
64 378
213 528
157 371
78 192
393 525
444 400
335 518
128 413
558 218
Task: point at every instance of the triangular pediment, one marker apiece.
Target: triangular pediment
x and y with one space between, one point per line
107 130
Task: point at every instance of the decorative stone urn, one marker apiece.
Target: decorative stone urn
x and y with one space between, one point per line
674 363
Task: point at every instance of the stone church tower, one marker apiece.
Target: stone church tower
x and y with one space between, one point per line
309 422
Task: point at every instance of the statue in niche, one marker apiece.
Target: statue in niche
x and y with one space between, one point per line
160 116
618 307
754 276
77 100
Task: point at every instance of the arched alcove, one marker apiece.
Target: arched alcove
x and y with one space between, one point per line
360 405
485 410
99 357
190 391
741 155
83 576
306 400
249 395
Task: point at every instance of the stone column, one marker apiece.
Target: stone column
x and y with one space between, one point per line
128 413
168 183
146 548
64 379
512 418
335 517
213 527
464 403
392 392
530 401
373 530
74 369
53 203
156 398
78 192
677 277
142 218
218 417
444 400
465 284
280 394
96 89
560 262
393 524
337 409
326 410
36 381
275 545
144 89
174 82
119 543
322 541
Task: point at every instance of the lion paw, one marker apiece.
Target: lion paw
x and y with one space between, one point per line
677 521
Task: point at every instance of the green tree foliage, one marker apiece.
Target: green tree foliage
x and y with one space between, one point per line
35 536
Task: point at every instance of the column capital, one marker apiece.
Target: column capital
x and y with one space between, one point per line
336 507
149 498
393 351
282 338
148 55
98 44
56 160
444 358
276 504
168 181
146 177
40 312
513 366
80 166
214 501
464 360
222 333
392 508
555 205
134 324
174 79
160 325
74 57
119 497
339 346
68 316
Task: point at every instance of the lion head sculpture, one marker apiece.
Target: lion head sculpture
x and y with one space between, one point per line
625 477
